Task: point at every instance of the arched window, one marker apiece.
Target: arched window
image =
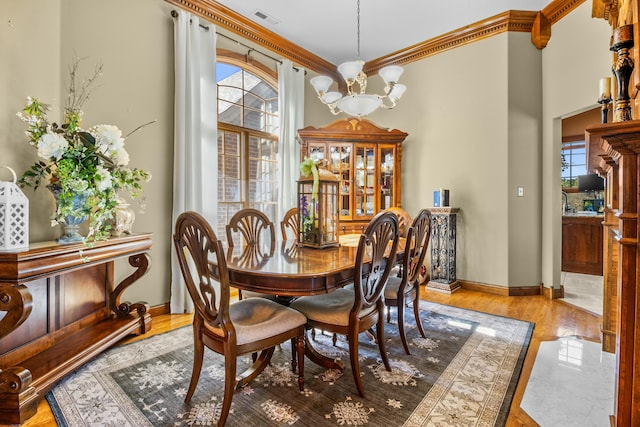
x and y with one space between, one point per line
248 128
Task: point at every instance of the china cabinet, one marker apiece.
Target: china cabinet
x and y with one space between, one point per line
367 161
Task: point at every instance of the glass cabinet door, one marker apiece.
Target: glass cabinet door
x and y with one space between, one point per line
365 175
340 164
317 151
387 176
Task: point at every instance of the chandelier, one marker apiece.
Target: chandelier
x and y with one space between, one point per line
359 103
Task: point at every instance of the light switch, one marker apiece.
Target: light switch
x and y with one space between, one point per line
520 191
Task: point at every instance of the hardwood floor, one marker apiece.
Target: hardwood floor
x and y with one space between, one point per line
553 319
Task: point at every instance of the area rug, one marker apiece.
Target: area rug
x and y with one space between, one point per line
463 374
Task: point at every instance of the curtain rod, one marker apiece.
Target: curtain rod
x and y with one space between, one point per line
175 15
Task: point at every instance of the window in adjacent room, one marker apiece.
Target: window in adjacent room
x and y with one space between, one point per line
248 128
574 161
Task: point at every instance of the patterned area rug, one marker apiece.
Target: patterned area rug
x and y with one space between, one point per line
463 374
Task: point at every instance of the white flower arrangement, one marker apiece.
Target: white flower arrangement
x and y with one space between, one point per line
92 163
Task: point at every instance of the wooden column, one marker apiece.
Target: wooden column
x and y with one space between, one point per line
619 144
609 169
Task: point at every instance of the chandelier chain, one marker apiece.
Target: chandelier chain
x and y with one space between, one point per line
358 26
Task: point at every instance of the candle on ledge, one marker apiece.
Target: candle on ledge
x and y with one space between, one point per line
605 88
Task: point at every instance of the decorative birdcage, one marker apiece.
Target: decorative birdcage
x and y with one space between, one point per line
14 216
318 210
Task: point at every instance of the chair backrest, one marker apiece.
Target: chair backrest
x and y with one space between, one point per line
404 219
251 225
290 221
204 268
374 259
416 245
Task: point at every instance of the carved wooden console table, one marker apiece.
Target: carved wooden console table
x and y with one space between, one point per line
59 309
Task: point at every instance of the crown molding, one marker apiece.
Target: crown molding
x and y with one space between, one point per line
558 9
512 20
226 18
538 23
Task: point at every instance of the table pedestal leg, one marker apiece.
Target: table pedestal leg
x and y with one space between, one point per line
321 359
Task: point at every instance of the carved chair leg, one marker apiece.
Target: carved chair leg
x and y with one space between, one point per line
355 363
300 345
198 354
416 311
230 362
381 346
403 336
294 350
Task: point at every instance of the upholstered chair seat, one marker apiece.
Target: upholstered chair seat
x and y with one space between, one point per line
332 308
257 319
393 284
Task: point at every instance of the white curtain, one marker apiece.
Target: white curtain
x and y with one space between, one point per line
291 107
195 179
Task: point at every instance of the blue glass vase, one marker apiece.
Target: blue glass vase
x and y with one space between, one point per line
71 223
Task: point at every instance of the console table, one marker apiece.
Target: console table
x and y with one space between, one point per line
443 250
59 308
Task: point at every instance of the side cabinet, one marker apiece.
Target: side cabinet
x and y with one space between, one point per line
368 160
59 308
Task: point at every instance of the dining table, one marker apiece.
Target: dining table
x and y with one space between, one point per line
289 270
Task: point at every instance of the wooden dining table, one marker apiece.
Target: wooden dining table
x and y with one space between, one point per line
289 271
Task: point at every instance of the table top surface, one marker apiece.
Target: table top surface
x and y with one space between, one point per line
290 269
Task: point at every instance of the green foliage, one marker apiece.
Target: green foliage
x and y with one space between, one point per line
91 163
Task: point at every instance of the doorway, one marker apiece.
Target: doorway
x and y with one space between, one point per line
581 271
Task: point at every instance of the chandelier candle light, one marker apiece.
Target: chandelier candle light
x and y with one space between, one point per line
359 103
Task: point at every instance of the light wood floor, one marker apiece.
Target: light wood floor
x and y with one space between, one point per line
553 319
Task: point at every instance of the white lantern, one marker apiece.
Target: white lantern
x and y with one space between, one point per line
14 216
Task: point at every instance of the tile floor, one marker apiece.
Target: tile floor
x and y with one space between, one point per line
571 384
583 290
572 381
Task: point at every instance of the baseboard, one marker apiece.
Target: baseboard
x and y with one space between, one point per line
501 290
159 309
553 293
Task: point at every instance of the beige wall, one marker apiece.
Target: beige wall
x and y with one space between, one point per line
467 111
575 59
456 111
30 48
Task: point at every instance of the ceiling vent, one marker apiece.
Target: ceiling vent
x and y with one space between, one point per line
264 16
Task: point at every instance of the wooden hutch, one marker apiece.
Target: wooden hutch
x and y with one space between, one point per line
367 160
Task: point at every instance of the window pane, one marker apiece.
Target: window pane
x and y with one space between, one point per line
250 81
247 163
229 113
227 72
230 94
231 143
253 119
252 101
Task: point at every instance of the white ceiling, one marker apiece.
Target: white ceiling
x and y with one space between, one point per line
327 28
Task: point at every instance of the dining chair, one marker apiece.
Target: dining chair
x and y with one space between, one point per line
254 229
250 226
353 311
291 221
230 329
404 219
400 290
